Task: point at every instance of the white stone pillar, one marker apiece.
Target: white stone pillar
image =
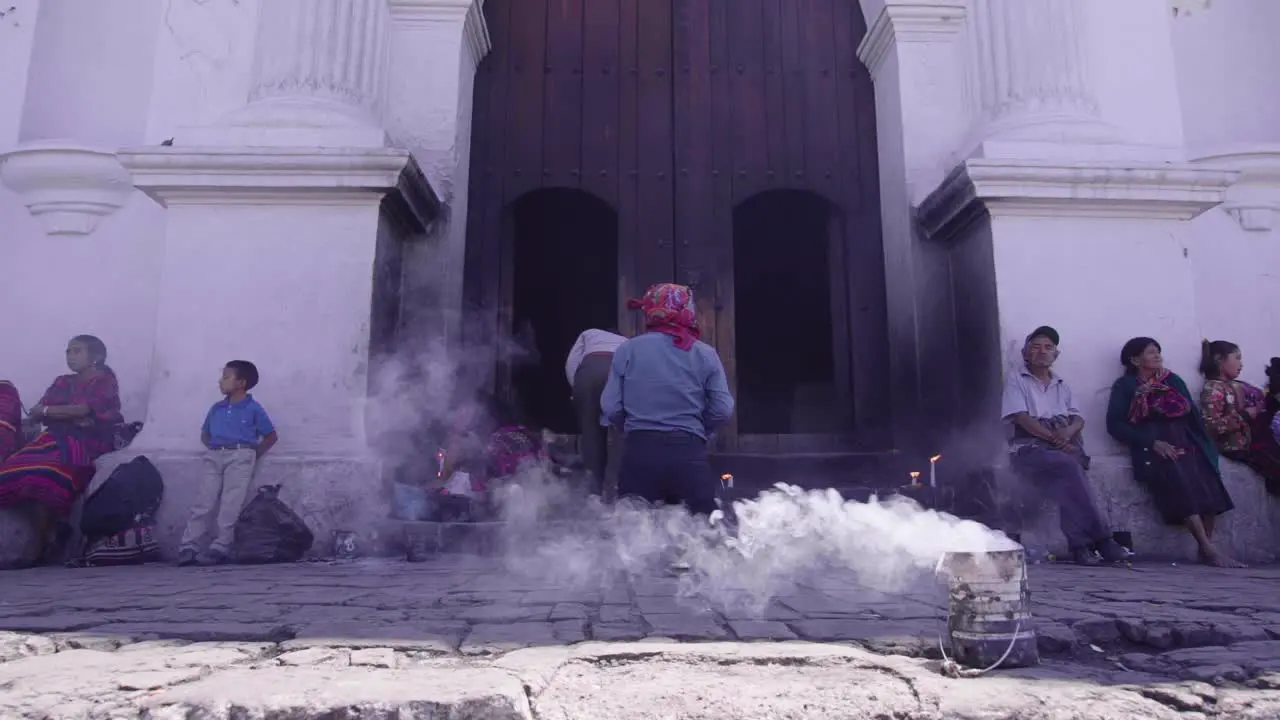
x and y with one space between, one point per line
1030 79
429 112
279 220
916 61
319 78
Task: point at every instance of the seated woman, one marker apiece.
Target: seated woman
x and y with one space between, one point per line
80 413
488 444
10 419
1235 413
1273 397
1151 411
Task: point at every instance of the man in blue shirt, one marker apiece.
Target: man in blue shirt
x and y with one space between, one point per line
667 390
237 433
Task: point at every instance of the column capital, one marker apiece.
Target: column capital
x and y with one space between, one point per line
901 21
1159 191
66 186
409 13
1254 200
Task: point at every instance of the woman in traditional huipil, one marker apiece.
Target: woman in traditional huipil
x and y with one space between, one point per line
1152 412
80 413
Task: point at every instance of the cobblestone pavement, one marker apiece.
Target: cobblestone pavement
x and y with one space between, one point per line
300 640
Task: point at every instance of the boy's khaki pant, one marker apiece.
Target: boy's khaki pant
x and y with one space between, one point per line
227 477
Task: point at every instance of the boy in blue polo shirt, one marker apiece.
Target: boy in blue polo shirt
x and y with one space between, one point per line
237 433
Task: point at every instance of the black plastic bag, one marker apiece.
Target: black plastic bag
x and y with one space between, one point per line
268 531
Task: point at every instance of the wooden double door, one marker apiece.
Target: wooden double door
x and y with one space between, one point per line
693 125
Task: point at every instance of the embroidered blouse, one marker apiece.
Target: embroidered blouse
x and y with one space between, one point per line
1225 404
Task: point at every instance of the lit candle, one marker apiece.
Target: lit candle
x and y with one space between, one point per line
933 470
726 480
915 478
440 463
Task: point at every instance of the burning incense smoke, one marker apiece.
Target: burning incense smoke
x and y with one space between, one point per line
783 536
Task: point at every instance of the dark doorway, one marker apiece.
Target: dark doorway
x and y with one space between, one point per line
675 113
787 370
565 260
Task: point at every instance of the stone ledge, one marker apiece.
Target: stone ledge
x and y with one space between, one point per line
329 493
1250 532
265 176
1167 191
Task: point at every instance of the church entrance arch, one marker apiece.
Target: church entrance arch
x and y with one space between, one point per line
564 251
677 114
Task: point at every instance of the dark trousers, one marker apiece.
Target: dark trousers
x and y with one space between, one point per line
1058 476
668 467
593 440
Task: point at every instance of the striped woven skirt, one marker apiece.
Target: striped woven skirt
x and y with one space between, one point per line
39 473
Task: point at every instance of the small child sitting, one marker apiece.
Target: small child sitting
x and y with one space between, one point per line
237 433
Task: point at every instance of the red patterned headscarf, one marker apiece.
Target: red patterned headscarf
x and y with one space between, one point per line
1159 398
668 308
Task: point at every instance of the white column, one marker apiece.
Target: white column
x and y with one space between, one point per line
319 78
1030 77
917 65
429 112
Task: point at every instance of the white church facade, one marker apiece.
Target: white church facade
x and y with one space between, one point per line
295 182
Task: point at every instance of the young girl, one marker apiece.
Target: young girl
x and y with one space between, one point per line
1235 413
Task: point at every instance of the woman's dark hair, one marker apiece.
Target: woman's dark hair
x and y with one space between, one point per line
97 351
1273 385
1133 349
1213 352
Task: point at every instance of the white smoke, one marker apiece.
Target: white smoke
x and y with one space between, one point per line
783 536
551 530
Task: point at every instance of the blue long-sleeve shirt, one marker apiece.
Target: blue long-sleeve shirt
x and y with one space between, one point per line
653 385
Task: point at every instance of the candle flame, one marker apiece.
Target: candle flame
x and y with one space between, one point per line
726 476
915 475
935 458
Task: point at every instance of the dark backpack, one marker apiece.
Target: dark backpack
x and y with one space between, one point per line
133 492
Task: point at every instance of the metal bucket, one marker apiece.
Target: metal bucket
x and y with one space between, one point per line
989 612
345 545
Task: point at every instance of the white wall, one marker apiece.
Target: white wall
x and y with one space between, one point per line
1128 53
1099 282
90 73
17 34
1227 61
87 80
204 59
1237 289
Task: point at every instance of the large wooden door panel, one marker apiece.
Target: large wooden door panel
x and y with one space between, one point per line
674 112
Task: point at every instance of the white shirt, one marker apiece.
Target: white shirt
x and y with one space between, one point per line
1023 393
590 341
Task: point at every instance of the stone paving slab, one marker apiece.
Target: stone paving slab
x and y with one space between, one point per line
1162 625
589 681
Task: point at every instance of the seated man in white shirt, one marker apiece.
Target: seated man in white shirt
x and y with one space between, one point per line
1046 448
587 370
